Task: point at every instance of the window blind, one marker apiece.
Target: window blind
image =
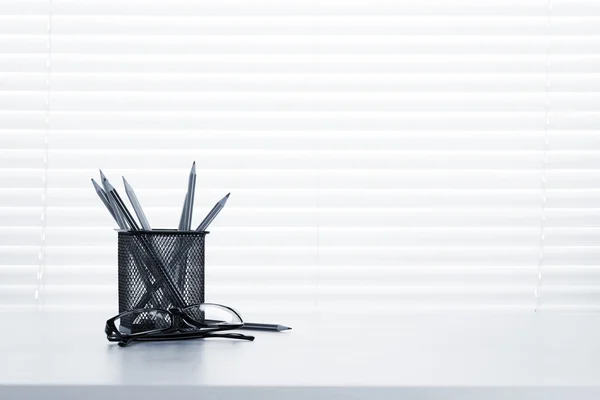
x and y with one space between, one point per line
382 155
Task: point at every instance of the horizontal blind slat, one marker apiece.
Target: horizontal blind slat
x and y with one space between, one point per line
270 7
301 44
304 63
281 120
343 140
304 24
323 83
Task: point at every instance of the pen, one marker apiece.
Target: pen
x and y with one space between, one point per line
213 213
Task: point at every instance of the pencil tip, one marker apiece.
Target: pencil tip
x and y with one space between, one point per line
107 186
194 167
125 181
283 328
227 196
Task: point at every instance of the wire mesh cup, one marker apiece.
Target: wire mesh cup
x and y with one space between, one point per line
160 269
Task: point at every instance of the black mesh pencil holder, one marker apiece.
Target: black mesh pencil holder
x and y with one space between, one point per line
160 269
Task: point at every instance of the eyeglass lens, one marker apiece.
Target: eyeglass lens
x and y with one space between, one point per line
212 314
143 321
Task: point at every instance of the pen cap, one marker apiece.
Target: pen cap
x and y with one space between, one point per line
160 269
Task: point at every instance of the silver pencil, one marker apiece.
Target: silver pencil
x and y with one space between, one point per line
119 217
191 194
112 193
105 199
181 226
137 207
156 263
102 194
185 222
213 213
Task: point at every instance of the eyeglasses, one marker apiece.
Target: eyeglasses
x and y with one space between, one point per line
155 324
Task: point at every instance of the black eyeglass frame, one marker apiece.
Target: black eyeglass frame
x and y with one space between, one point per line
181 336
202 329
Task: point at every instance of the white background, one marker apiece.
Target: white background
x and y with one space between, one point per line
381 155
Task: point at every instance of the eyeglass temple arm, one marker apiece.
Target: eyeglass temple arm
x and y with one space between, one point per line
157 338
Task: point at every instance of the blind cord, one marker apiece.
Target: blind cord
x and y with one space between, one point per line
44 216
544 182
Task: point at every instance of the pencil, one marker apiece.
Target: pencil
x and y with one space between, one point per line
102 194
112 192
253 326
213 213
118 215
185 222
137 207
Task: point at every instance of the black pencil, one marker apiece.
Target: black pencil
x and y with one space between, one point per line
252 326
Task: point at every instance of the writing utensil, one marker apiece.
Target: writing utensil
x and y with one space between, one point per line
253 326
213 213
185 222
117 212
136 205
112 192
181 226
102 194
157 263
191 193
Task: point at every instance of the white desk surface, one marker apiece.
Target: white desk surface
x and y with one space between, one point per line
426 356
